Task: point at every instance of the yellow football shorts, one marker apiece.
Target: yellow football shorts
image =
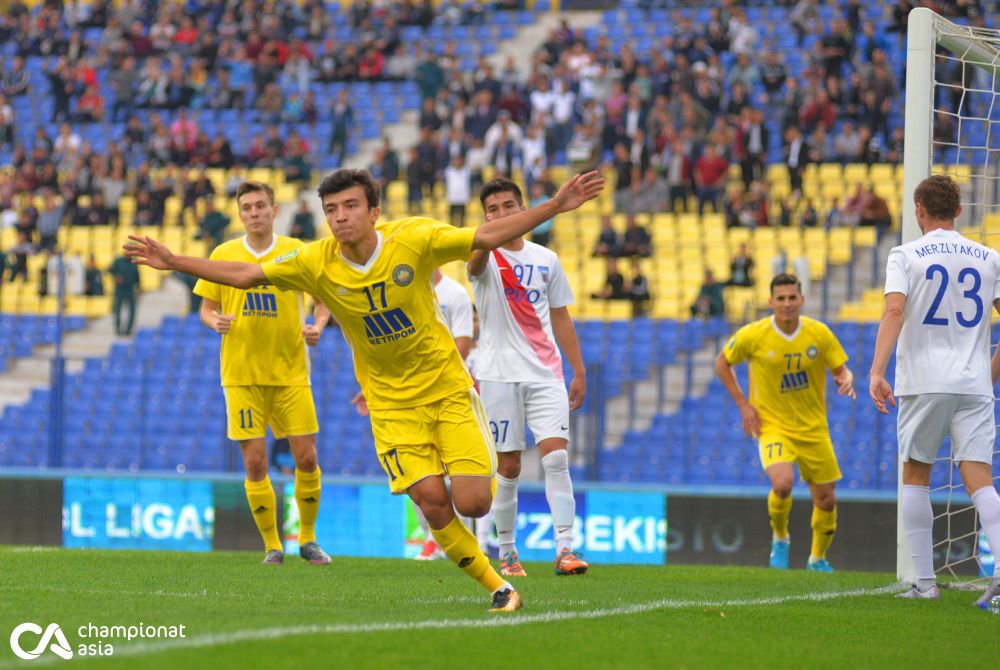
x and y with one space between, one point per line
289 410
816 459
450 436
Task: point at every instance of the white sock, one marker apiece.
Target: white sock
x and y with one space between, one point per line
987 503
505 513
559 493
505 585
918 521
422 520
483 525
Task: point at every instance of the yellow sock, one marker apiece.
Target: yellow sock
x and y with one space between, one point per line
779 509
260 495
463 550
307 492
824 525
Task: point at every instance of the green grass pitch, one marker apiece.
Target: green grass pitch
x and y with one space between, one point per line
382 613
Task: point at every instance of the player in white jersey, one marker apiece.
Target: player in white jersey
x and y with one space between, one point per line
522 295
938 293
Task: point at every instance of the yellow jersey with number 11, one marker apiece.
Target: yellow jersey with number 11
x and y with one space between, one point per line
264 345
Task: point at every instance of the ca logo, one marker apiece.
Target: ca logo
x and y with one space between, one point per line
60 646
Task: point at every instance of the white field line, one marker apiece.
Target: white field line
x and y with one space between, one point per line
492 621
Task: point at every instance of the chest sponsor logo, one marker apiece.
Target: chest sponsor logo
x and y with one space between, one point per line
794 381
260 303
388 326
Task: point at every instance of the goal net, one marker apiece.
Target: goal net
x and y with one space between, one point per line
952 126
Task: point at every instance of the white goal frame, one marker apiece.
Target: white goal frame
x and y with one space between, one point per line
923 38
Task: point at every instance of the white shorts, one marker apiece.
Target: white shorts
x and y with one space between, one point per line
925 419
544 406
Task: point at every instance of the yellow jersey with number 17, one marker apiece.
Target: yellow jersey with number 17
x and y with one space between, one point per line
788 373
264 345
404 355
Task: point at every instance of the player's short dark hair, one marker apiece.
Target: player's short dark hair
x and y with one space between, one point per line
255 187
785 279
940 196
500 185
345 178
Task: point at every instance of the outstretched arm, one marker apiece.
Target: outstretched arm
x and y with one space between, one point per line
147 251
572 194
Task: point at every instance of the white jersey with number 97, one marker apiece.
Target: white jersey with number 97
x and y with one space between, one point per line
950 283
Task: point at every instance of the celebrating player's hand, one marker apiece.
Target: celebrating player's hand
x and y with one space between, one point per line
577 392
845 383
881 393
751 420
144 250
311 333
578 190
223 323
360 404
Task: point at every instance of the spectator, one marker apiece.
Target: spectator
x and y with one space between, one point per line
710 173
503 143
847 143
796 157
213 224
810 217
652 195
834 216
741 268
124 81
6 124
341 124
414 180
624 176
458 190
303 223
49 221
19 254
638 289
637 241
126 276
614 284
875 212
752 140
608 242
710 301
93 279
542 234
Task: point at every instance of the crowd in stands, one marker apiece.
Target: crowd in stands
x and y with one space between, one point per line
669 122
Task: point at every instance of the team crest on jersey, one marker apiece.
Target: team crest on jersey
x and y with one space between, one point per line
812 352
287 257
402 275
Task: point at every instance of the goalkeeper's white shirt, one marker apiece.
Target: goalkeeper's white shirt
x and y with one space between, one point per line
950 283
514 294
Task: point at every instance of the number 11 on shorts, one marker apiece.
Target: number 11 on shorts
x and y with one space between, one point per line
246 418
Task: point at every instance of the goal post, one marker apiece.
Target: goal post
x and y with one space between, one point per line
936 50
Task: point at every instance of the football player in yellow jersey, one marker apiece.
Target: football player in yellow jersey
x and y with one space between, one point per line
267 385
375 278
789 355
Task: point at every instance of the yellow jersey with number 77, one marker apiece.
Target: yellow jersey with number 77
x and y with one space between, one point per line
788 374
